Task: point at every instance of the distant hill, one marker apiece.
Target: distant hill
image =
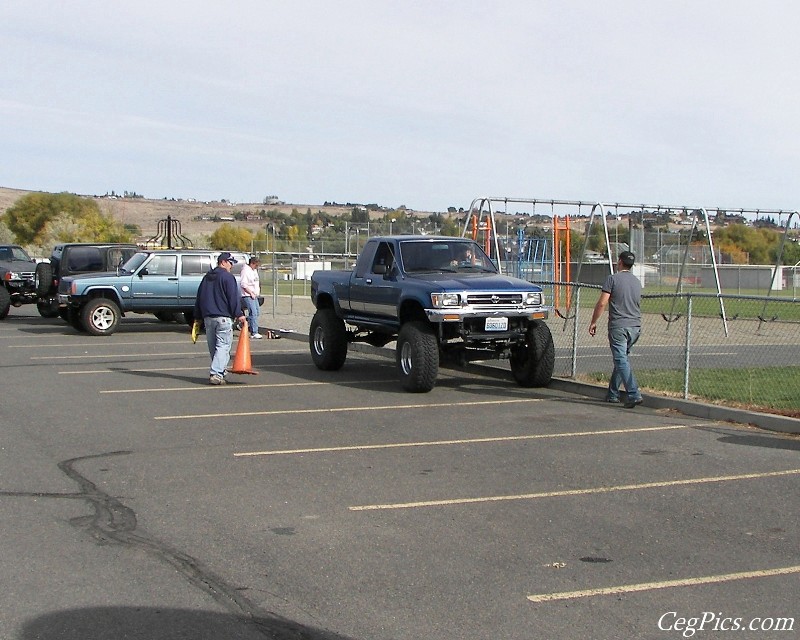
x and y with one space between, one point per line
147 213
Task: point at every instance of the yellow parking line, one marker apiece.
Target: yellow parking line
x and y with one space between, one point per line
118 370
575 492
101 343
389 407
665 584
231 387
199 352
436 443
91 344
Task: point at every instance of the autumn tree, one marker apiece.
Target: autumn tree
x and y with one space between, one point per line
44 219
6 235
759 245
231 238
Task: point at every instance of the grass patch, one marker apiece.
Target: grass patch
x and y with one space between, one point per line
769 388
779 306
779 309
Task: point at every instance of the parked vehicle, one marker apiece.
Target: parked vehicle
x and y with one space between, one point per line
161 282
17 285
436 303
75 258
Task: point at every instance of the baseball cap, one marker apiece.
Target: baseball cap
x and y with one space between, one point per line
627 258
225 255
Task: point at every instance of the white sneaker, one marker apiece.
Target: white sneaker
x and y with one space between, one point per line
257 336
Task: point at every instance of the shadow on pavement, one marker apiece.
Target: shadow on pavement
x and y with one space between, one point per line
148 623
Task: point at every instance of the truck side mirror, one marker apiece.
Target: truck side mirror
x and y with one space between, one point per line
380 269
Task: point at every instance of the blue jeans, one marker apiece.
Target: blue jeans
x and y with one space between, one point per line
621 341
219 335
251 305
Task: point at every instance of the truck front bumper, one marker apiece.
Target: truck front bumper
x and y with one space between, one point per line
461 314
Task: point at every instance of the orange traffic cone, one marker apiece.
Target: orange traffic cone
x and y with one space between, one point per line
241 361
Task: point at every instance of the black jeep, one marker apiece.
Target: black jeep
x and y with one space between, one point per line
74 259
16 278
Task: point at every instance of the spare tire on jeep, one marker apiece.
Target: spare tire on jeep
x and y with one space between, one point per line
44 279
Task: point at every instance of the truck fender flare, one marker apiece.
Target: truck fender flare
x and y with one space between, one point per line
327 299
104 292
410 308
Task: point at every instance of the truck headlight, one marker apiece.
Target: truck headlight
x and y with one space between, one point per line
12 275
533 298
445 300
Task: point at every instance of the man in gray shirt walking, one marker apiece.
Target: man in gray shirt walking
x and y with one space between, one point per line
621 293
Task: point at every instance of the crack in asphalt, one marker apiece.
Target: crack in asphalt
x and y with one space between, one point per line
114 523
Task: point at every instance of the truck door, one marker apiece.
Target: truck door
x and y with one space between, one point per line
374 290
155 284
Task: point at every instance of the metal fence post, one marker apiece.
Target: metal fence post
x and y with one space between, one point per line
687 347
574 364
274 285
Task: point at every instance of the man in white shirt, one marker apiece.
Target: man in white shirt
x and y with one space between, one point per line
250 285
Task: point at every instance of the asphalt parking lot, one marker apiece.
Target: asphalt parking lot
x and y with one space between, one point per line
138 500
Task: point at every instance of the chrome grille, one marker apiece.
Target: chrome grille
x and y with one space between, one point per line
492 299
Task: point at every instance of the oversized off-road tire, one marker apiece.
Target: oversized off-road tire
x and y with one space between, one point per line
417 356
100 316
48 307
5 302
43 277
532 363
327 339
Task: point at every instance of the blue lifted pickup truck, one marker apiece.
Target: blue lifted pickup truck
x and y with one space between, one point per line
438 297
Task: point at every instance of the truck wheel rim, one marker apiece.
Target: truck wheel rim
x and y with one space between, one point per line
102 318
405 358
319 341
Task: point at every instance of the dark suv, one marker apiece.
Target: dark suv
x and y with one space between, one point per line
73 259
16 278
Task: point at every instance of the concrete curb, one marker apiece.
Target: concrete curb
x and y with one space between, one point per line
771 422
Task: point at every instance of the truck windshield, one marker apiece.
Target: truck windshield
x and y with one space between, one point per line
134 262
14 253
455 255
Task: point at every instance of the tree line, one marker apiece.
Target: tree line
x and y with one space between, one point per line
43 220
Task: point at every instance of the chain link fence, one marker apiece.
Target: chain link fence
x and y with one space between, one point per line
735 350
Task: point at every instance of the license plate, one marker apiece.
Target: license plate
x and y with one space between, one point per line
496 324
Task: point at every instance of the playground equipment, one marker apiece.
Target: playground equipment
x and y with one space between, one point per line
672 317
560 228
168 234
481 220
778 263
481 228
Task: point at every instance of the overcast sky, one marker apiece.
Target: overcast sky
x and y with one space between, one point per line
427 104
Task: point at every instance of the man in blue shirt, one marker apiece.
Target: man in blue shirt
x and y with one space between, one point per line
217 305
621 293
